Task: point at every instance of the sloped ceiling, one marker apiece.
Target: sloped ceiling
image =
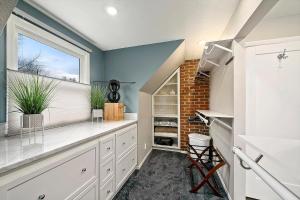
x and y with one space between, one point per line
140 22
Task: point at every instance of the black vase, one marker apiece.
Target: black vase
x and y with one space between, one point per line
113 96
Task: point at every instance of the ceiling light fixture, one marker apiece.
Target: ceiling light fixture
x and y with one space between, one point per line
111 10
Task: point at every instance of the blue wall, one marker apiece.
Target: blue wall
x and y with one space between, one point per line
2 77
136 64
96 57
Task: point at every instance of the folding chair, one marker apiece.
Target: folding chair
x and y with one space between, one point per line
207 163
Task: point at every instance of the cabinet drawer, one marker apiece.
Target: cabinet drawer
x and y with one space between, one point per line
125 139
90 193
59 182
108 190
106 170
125 166
107 147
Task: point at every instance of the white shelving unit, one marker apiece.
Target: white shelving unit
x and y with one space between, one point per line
212 55
166 113
215 116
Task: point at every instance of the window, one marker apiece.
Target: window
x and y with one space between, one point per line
33 50
38 58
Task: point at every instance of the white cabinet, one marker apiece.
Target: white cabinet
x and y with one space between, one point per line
60 182
85 172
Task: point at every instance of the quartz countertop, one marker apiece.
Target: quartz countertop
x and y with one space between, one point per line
16 151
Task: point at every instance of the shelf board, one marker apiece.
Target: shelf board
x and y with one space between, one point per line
210 113
171 84
166 134
166 115
174 146
212 56
171 104
165 95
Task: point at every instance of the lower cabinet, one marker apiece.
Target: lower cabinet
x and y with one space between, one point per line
95 170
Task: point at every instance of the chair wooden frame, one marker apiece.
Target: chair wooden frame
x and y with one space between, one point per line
207 163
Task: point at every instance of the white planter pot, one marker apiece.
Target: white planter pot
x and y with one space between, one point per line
32 121
96 113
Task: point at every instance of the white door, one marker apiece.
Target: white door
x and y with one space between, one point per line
273 114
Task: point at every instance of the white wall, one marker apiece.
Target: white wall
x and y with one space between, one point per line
221 100
273 113
144 126
71 103
270 28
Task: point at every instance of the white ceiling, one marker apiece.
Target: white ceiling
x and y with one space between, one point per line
142 22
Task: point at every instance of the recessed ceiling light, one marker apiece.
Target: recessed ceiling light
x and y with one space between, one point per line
111 10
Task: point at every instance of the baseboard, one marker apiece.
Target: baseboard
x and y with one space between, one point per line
224 186
145 158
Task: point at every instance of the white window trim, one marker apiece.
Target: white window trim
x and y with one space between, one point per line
16 25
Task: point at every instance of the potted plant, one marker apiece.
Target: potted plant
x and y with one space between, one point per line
32 95
98 96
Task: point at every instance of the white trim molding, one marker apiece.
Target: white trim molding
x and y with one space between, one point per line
144 159
17 26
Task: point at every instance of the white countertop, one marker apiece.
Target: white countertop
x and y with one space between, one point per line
16 151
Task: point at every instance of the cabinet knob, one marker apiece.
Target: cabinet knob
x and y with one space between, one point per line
108 170
108 191
124 143
83 170
108 148
123 169
42 196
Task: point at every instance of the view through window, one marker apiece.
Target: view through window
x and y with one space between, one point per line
38 58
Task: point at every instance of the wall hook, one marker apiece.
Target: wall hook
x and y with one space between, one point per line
282 55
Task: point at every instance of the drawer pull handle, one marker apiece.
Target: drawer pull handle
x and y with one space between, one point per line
108 170
42 196
83 170
108 191
108 148
124 143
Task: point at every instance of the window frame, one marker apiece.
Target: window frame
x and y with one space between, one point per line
16 26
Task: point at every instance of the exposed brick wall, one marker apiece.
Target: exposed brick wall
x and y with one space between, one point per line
194 95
